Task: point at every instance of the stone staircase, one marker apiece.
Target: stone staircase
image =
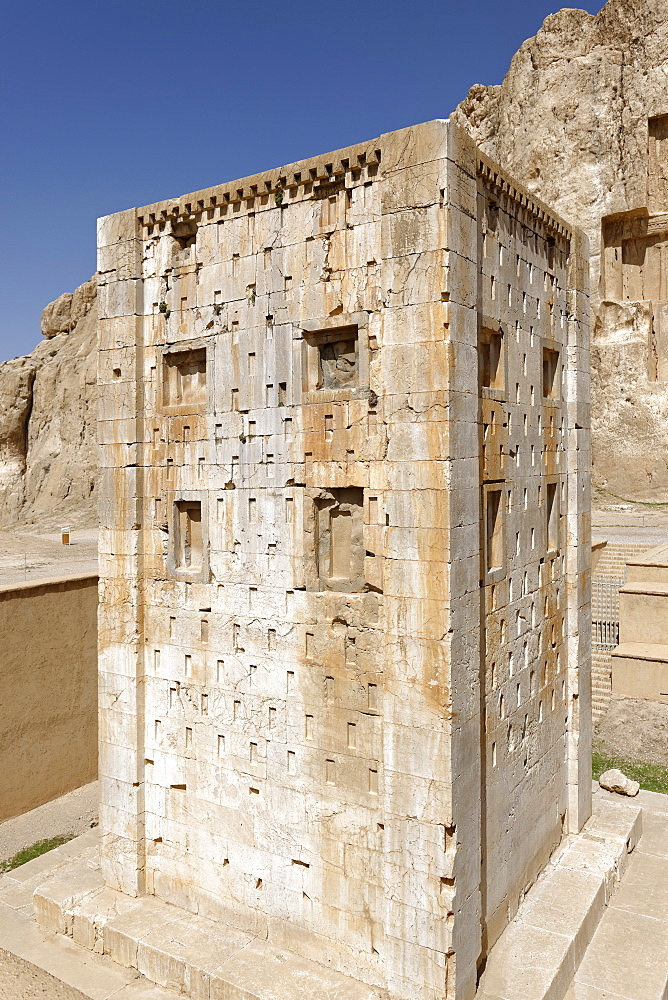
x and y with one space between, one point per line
628 955
609 565
595 925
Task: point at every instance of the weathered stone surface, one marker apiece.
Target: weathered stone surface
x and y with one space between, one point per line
48 411
580 120
345 556
615 780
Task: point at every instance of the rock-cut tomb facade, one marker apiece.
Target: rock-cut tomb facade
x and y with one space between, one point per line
344 617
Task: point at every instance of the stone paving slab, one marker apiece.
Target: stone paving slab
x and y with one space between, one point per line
644 888
532 964
97 977
20 980
578 991
550 907
628 956
655 835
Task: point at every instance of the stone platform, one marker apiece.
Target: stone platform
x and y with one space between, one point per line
178 950
95 976
640 661
593 927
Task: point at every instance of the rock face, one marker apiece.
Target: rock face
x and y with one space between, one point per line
64 314
48 413
582 120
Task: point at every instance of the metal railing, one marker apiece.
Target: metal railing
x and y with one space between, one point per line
605 613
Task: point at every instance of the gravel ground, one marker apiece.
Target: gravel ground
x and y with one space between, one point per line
73 813
20 980
634 730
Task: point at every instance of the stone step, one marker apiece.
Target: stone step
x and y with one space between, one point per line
178 950
614 559
645 588
607 971
646 574
628 955
650 567
93 976
537 955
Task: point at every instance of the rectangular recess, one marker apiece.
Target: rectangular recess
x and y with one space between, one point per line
188 540
184 382
551 374
491 360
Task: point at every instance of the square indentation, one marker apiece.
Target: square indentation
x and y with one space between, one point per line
335 358
338 359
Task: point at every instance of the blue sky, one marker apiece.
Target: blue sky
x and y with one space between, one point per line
106 105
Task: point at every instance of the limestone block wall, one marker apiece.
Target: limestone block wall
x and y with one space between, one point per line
535 579
48 671
344 620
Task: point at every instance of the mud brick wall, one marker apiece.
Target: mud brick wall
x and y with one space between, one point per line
48 672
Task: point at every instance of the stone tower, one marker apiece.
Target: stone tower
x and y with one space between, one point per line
344 620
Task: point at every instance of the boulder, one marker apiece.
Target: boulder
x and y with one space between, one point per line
56 316
615 780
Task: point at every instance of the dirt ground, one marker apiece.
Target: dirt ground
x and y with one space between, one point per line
21 981
634 730
73 813
36 553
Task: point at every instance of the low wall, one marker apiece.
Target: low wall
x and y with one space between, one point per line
48 679
609 565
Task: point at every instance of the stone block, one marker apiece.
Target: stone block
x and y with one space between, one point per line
55 900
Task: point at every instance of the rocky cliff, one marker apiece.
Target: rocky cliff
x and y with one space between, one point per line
48 412
580 119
